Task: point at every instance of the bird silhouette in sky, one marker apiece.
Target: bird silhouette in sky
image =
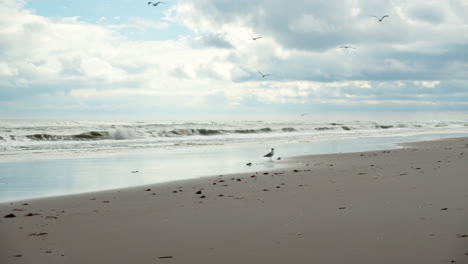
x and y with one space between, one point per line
155 4
264 75
255 38
382 18
346 47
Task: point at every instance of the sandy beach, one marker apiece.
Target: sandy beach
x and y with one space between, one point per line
408 205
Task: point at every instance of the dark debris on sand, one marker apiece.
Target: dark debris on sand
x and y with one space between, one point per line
31 214
38 234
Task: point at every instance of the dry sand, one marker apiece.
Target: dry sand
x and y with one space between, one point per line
397 206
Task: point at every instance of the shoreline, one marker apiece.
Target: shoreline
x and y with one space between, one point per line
55 177
406 205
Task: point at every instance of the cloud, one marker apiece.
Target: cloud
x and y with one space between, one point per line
415 58
433 14
145 24
214 40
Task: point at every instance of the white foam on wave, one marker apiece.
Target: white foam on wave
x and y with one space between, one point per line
124 133
15 137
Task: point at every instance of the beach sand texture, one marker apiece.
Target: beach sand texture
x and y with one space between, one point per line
408 205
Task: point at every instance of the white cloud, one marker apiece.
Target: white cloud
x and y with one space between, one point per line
145 24
7 70
397 59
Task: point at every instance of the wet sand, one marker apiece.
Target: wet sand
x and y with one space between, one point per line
407 205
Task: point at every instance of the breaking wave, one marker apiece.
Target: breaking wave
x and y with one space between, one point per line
116 134
163 131
21 137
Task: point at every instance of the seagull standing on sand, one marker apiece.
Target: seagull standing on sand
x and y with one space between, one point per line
380 19
264 75
270 154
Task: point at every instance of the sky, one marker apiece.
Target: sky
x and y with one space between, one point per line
196 59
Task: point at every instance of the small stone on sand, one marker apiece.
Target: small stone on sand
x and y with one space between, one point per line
37 234
9 216
31 214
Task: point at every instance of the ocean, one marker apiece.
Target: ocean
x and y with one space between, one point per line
48 158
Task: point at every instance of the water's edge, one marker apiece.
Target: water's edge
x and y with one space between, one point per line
45 178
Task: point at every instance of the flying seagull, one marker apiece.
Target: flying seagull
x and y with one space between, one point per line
156 4
270 154
380 19
255 38
346 47
264 75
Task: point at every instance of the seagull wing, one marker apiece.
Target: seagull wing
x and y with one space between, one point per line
149 3
261 73
384 17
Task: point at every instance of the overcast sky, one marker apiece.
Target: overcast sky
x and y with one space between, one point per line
196 59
